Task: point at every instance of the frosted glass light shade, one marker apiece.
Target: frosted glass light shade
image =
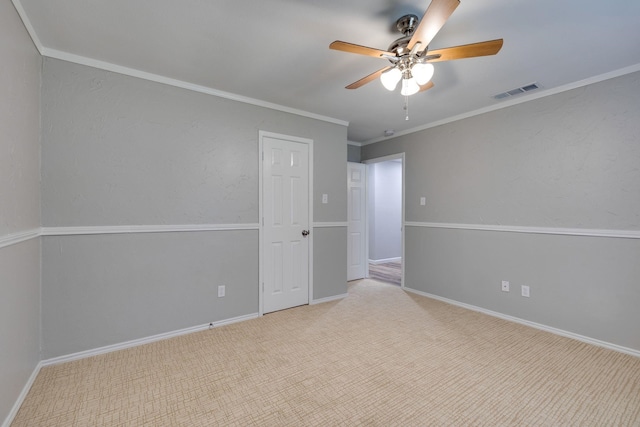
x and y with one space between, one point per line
391 78
422 73
409 87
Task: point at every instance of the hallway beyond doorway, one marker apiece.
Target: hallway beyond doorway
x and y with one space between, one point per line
389 272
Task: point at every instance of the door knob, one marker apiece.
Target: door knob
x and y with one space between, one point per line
305 233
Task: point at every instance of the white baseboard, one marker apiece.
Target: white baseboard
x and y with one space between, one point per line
25 390
327 299
382 261
107 349
146 340
535 325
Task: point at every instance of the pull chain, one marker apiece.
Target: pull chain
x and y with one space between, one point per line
406 107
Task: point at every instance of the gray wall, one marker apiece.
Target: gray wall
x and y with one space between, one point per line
117 150
385 210
105 289
330 255
569 160
19 207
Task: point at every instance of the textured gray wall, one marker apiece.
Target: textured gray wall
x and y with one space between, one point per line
105 289
117 150
19 206
586 285
567 161
329 261
120 151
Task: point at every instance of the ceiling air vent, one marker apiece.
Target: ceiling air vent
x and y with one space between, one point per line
517 91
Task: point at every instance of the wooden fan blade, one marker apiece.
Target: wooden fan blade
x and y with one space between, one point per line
363 81
487 48
361 50
434 18
427 86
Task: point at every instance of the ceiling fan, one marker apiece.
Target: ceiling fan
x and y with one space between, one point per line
410 56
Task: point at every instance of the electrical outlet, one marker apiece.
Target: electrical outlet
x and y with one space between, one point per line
221 291
423 201
525 291
325 198
505 286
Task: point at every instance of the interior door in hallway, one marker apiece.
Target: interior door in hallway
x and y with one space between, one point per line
356 254
286 224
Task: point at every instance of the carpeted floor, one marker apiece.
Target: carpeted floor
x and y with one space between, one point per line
380 357
389 272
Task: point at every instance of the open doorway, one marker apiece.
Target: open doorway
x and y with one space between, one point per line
385 218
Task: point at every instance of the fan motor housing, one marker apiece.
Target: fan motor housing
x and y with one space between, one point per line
406 24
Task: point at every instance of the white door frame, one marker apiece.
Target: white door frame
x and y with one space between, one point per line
261 135
368 185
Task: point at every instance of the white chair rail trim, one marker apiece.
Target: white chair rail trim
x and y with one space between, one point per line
621 234
22 236
330 224
123 229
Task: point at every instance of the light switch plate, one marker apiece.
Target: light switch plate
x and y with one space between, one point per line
423 201
325 198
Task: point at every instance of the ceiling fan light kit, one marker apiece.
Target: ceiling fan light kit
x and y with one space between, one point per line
390 78
410 56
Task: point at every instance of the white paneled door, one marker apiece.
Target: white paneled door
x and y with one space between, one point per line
286 229
356 254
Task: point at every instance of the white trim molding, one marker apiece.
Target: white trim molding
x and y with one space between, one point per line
146 340
328 299
384 260
107 349
620 234
27 24
330 224
126 229
535 325
22 236
132 72
23 395
508 103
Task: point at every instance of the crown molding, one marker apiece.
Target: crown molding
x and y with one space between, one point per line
132 72
508 103
27 24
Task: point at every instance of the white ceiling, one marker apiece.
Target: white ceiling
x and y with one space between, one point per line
276 51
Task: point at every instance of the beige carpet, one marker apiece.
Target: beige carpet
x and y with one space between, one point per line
380 357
